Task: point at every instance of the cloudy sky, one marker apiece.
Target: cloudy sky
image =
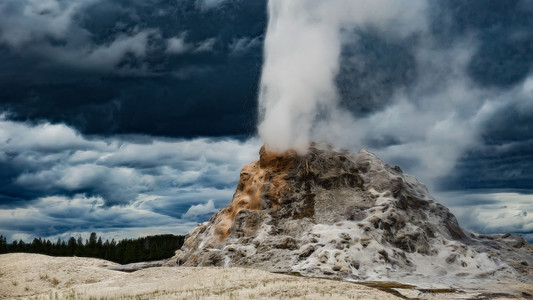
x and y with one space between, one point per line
130 117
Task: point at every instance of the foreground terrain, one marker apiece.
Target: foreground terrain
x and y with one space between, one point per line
37 276
34 276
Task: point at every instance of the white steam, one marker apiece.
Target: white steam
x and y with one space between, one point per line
302 50
426 125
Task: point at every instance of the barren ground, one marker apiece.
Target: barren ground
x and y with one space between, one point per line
34 276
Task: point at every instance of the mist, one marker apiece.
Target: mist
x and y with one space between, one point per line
383 75
302 54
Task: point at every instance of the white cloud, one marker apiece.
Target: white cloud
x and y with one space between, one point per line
57 158
30 20
244 44
106 57
45 137
201 209
48 216
177 45
205 45
113 52
527 88
491 211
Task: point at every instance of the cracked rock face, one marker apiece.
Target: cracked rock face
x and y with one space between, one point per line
333 213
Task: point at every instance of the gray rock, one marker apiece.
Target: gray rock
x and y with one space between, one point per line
335 214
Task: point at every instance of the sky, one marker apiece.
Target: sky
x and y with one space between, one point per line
130 118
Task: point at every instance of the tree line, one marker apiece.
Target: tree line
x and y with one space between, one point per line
124 251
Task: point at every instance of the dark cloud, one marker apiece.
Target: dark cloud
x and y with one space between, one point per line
485 167
504 156
503 28
513 123
105 68
113 58
373 66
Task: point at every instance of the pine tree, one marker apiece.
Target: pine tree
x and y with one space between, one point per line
92 240
79 247
125 251
3 244
22 246
71 246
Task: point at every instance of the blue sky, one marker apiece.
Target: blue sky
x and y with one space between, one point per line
135 117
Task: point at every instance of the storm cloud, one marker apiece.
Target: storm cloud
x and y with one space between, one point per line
48 160
154 67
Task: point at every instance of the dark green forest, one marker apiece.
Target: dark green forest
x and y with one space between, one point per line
124 251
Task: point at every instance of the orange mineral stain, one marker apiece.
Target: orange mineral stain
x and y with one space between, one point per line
267 176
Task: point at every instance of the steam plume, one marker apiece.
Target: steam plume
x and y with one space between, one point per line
302 49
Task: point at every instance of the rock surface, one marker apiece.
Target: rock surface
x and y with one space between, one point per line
332 213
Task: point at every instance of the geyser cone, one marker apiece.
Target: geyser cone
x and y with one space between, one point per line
333 213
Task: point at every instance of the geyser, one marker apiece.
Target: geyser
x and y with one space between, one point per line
333 213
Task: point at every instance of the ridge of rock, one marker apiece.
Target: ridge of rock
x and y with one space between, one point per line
332 213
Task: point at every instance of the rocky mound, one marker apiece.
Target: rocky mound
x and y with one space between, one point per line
337 214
